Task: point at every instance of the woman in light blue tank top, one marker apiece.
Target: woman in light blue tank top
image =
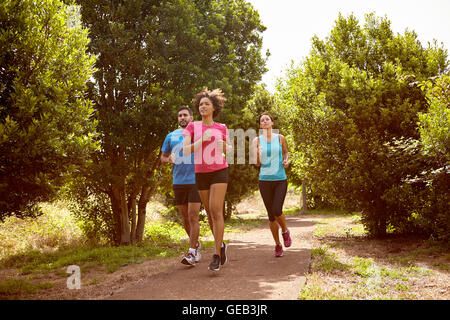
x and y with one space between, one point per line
272 156
272 166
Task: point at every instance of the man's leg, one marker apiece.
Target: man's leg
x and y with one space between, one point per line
193 211
183 209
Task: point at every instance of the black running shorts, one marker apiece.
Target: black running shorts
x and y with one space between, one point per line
185 193
205 179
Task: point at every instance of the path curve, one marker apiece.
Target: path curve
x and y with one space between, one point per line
251 273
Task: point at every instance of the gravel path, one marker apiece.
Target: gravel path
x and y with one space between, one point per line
251 273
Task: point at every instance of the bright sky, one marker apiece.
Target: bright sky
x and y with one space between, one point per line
292 23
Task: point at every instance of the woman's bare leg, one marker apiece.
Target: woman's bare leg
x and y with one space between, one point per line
282 222
204 196
274 228
216 200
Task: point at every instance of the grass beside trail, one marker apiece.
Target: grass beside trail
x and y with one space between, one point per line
346 264
12 289
160 240
54 241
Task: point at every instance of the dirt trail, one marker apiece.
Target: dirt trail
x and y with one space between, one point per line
251 273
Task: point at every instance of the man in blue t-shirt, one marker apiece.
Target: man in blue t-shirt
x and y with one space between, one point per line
186 194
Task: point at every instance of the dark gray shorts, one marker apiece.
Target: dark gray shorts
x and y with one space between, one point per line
185 193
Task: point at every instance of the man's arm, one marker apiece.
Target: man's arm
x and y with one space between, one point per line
167 157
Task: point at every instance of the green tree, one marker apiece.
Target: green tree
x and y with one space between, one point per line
429 205
434 124
46 128
153 57
351 99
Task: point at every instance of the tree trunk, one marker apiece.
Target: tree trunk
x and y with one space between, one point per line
132 211
380 219
304 203
120 210
227 210
380 231
116 218
146 193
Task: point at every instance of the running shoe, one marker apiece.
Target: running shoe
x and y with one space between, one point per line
287 238
223 254
188 259
197 252
215 263
278 250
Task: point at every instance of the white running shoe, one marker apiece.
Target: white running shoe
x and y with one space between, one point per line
188 259
197 254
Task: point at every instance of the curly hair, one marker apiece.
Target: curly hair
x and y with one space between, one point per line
216 96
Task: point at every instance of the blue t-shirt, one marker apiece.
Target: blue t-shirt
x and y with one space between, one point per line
183 169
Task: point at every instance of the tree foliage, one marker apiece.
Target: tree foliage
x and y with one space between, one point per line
46 128
434 124
153 56
351 101
421 200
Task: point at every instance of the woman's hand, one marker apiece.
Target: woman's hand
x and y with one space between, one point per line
256 152
207 135
220 143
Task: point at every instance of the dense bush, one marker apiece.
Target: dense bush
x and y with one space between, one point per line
419 204
46 130
353 106
92 210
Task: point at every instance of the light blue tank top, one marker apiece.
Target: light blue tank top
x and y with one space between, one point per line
271 160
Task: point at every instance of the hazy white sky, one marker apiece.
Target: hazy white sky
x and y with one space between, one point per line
292 23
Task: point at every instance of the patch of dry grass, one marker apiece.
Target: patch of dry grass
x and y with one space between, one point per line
54 229
35 253
346 264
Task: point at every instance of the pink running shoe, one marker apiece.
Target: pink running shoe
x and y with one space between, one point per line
278 250
287 238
